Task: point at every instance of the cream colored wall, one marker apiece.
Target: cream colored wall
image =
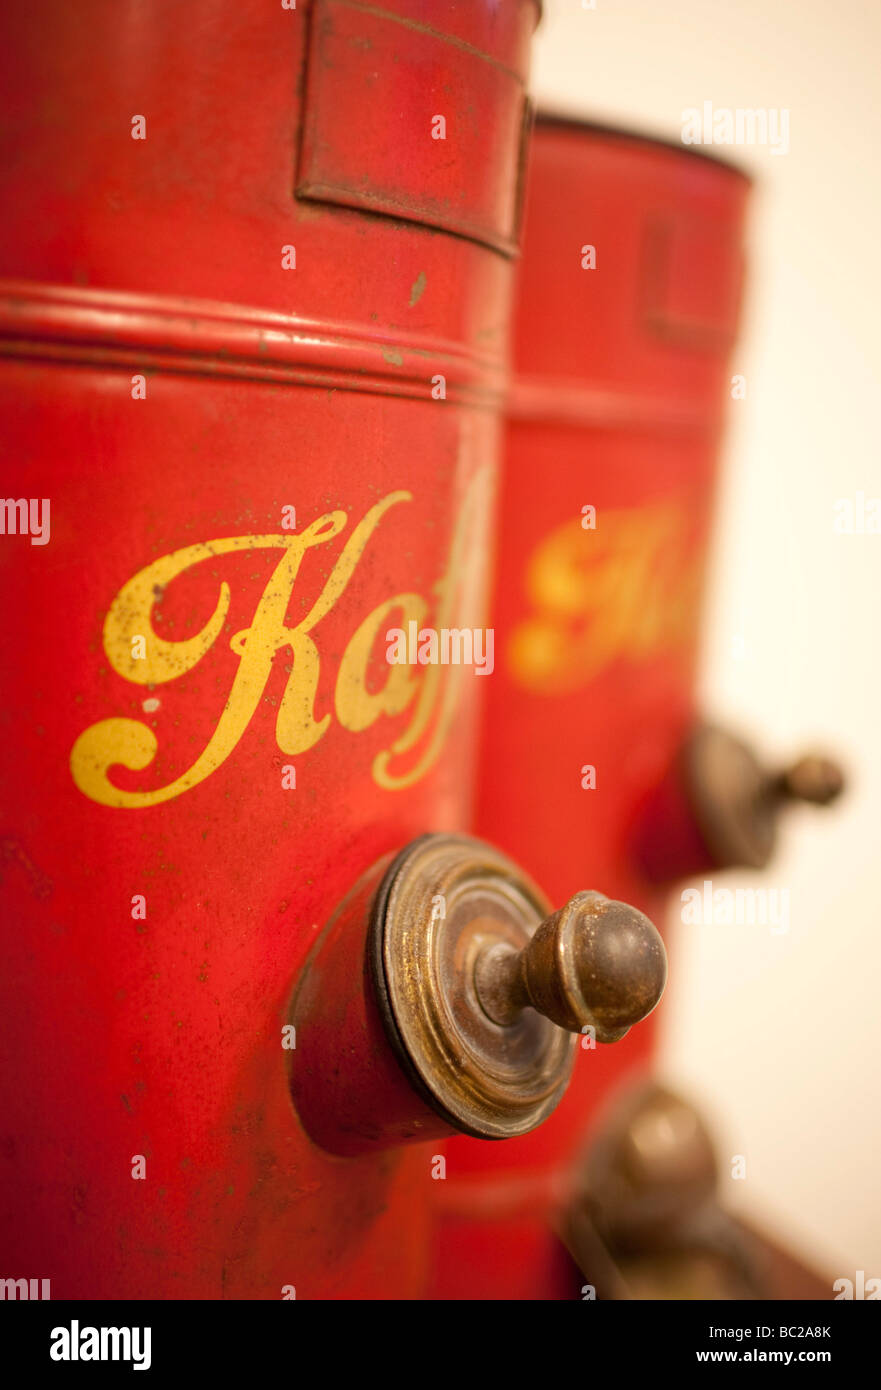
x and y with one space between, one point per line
779 1036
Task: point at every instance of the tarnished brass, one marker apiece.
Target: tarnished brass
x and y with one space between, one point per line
478 982
651 1166
737 802
594 964
646 1222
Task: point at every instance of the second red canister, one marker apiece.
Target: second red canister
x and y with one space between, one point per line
628 300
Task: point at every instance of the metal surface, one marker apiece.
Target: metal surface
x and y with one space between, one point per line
736 802
720 807
267 426
594 965
451 900
621 377
645 1221
452 952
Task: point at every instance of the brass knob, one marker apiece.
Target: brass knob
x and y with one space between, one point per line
646 1220
476 980
444 995
596 963
814 779
651 1165
737 801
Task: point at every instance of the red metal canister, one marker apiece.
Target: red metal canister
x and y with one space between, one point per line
256 278
628 297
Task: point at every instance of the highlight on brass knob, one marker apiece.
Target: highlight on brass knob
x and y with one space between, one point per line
737 802
596 964
445 995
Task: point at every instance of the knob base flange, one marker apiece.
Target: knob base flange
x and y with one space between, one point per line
444 902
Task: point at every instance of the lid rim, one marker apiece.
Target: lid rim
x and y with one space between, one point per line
549 119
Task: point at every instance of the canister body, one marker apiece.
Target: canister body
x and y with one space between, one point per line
628 296
252 320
